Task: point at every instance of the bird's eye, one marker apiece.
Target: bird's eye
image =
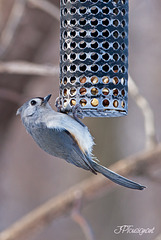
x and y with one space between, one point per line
33 102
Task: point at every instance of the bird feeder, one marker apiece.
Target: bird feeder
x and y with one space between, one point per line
94 57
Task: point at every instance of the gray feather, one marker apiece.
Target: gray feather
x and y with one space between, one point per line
116 177
55 142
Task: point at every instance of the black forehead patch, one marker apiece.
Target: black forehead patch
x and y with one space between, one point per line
40 98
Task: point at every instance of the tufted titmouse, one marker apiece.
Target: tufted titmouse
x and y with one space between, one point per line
62 136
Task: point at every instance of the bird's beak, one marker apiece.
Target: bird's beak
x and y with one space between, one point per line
46 99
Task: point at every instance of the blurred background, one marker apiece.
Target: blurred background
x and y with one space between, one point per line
29 177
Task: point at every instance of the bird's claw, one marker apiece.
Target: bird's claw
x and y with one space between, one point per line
76 110
58 104
77 113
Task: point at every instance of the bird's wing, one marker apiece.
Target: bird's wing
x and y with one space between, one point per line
77 151
80 133
61 143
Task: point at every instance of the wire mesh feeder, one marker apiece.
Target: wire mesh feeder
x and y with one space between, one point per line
94 57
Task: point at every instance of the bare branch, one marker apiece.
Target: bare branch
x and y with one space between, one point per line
20 67
89 189
11 25
80 220
84 225
147 112
46 6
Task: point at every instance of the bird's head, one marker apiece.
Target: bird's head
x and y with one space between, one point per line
34 105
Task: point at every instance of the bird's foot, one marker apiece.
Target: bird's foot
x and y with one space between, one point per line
58 104
77 113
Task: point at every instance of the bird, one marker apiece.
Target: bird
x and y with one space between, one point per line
62 136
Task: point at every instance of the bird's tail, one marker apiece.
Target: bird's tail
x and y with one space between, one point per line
116 177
